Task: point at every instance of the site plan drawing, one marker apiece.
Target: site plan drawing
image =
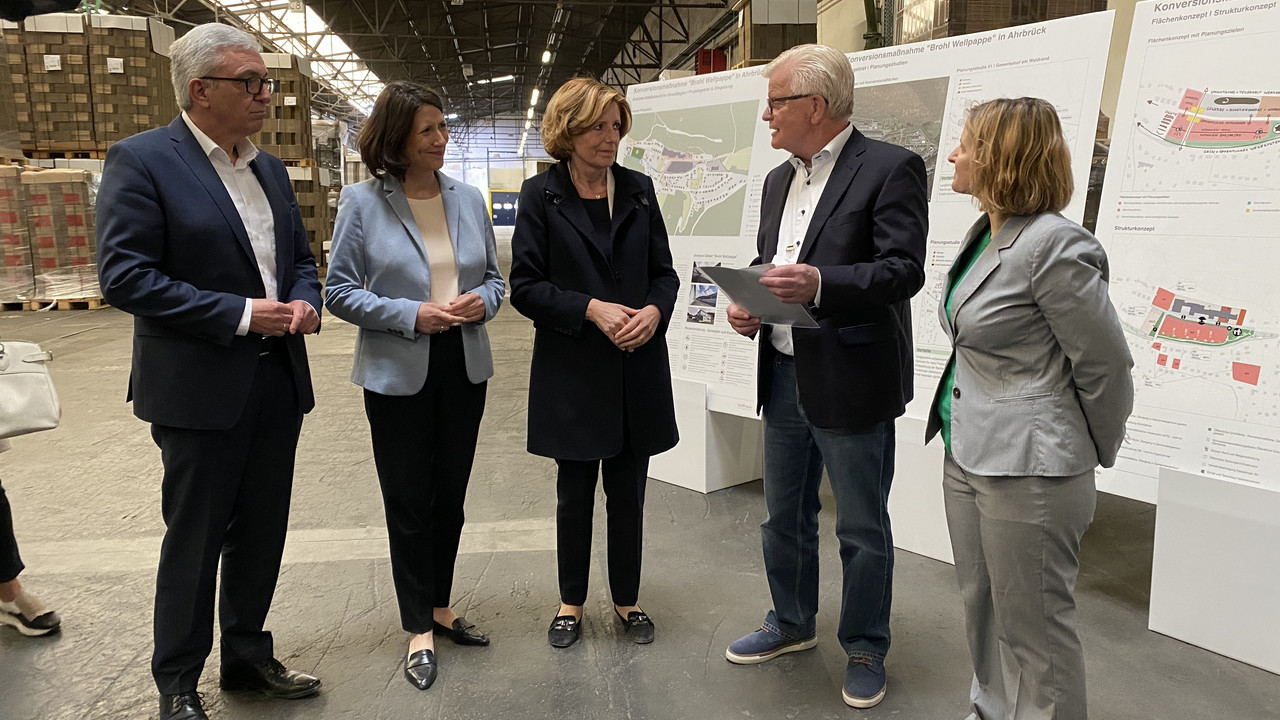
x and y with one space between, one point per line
699 159
1190 217
702 142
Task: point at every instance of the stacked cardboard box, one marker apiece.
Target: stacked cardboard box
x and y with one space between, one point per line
16 277
60 206
10 137
286 133
313 204
14 94
57 61
129 76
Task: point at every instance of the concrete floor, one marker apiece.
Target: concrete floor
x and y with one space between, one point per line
86 498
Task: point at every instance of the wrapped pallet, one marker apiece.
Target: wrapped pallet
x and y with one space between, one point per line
57 75
286 133
17 280
129 76
329 137
64 248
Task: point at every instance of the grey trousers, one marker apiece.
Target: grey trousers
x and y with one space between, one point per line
1016 542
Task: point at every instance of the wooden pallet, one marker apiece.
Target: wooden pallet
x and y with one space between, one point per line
66 154
66 304
298 162
13 305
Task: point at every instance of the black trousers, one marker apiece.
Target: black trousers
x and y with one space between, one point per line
423 446
10 563
625 476
225 495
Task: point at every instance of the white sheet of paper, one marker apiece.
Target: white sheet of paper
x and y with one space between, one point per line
743 287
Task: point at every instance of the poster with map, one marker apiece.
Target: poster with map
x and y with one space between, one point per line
919 95
702 142
1190 214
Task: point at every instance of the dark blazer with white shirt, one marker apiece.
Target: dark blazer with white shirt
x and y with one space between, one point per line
867 239
580 382
379 275
173 252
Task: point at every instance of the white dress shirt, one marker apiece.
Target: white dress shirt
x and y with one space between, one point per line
802 199
252 205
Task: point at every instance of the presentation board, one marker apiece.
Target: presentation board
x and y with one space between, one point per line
919 95
703 142
704 145
1190 214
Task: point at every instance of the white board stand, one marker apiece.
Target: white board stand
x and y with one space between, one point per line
1215 575
716 450
915 499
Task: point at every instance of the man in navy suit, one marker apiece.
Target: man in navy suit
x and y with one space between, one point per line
200 239
844 221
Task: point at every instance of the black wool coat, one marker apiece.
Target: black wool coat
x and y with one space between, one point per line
586 395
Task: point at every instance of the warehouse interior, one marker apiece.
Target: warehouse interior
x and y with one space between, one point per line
86 496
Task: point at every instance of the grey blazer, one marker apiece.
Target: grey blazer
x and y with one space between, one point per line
378 276
1042 370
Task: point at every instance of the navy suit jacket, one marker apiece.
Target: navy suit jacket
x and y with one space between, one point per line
867 239
173 252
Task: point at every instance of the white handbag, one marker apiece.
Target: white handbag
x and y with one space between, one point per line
28 402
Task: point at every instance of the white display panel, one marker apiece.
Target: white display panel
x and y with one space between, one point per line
1190 215
919 95
704 145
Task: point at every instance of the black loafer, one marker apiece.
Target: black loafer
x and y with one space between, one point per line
183 706
637 626
421 669
564 631
269 678
462 633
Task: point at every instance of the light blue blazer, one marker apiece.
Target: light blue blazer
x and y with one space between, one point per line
379 275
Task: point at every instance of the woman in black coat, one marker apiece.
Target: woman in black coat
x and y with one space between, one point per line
592 268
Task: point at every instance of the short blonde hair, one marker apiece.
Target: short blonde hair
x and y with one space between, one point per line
574 108
1021 164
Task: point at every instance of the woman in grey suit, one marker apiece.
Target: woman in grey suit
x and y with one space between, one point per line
414 265
1034 398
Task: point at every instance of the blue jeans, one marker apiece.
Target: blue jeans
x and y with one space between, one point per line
860 467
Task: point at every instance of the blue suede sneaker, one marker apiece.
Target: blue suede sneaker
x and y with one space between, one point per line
763 645
864 683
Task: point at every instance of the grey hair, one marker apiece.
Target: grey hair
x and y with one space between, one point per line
819 70
199 53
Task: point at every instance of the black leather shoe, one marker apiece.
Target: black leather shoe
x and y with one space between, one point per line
421 669
637 626
269 678
565 630
184 706
462 633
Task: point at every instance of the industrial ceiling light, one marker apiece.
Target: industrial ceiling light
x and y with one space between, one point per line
451 116
546 56
528 124
529 114
534 100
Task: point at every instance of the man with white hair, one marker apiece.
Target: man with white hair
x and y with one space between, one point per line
844 223
200 239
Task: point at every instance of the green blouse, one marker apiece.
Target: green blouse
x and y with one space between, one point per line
949 377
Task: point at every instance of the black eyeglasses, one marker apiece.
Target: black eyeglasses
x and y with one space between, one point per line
252 85
776 102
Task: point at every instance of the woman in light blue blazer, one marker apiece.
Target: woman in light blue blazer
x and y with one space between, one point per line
415 266
1035 397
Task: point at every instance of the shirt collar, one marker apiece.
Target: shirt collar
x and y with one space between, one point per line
245 148
828 153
